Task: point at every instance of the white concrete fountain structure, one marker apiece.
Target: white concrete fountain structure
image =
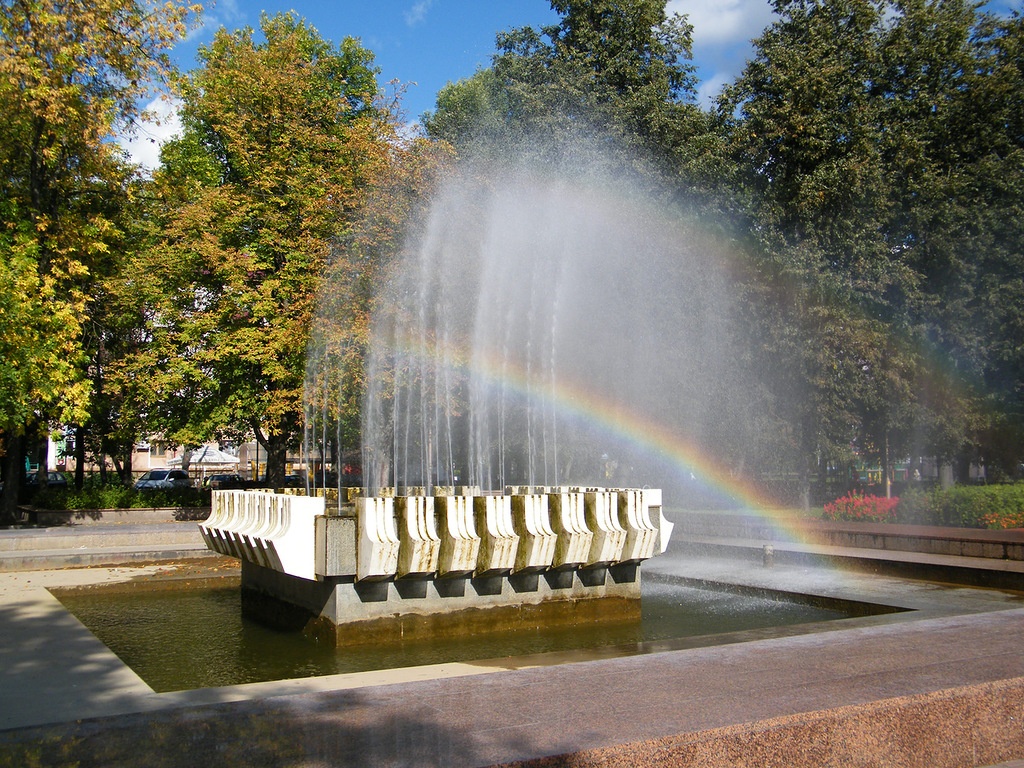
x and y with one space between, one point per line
386 566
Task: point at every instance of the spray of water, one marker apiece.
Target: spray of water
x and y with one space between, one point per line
520 290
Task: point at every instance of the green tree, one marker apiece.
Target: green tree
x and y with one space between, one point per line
807 132
880 147
614 74
468 111
281 139
952 82
71 76
804 132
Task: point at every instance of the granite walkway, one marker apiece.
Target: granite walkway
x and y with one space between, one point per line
940 684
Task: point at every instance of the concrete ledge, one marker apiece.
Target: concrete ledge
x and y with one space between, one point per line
972 726
937 686
53 517
944 693
925 539
32 560
953 569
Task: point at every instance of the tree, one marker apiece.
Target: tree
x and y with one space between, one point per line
870 133
610 73
71 76
955 152
281 139
468 111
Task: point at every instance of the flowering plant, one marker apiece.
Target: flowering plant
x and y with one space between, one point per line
1003 519
858 507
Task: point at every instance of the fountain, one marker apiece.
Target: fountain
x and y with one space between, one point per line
386 566
528 328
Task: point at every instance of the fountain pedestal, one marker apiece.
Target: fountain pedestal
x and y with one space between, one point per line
387 568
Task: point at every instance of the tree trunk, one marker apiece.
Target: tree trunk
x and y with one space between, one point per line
79 457
805 489
822 494
946 478
14 471
277 455
126 470
42 445
886 473
962 468
275 443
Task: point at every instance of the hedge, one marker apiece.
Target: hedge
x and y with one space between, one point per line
961 506
119 497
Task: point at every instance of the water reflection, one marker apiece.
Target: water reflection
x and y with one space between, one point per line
197 638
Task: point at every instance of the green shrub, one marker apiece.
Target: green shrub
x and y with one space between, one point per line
965 506
915 507
172 497
94 496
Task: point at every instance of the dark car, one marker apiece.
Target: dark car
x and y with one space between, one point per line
53 480
163 478
224 482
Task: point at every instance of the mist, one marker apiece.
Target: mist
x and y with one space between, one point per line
540 316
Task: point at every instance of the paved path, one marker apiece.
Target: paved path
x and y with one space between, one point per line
940 685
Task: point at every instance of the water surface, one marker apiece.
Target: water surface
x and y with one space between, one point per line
197 638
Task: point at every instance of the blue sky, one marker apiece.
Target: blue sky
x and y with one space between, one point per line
424 44
428 43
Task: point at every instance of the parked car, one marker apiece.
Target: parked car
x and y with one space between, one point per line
290 481
223 482
30 485
53 480
163 478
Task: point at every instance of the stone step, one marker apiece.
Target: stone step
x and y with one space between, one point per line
67 546
49 517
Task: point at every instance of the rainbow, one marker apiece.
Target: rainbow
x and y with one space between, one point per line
649 436
612 417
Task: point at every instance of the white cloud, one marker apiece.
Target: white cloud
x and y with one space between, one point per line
711 87
143 147
223 13
722 35
417 13
723 22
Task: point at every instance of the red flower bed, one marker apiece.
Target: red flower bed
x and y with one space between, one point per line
866 509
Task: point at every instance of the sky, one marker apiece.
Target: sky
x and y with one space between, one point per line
425 44
421 45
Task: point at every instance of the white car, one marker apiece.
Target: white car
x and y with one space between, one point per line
163 478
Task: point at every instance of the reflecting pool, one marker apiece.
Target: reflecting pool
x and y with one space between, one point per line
178 639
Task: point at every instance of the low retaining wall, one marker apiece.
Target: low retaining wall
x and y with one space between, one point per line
50 517
971 726
924 539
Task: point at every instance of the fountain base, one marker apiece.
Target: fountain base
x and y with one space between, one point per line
342 612
387 567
